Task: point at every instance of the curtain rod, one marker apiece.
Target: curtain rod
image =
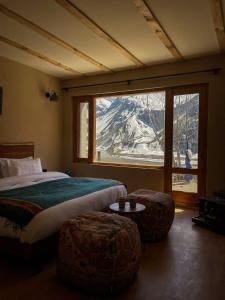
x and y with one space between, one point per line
128 81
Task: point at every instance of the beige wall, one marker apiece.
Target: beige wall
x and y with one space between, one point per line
27 114
135 178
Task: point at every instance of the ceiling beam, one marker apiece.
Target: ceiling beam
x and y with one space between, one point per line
218 22
158 29
13 15
37 54
87 21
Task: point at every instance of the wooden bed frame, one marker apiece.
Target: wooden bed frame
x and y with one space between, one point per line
41 250
16 150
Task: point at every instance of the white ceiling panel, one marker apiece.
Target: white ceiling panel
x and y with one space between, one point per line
34 62
52 17
189 24
123 22
27 37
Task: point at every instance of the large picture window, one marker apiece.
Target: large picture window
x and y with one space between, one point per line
130 129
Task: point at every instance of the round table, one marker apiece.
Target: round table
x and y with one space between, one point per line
133 213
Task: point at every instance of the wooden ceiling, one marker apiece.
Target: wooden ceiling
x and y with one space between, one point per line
68 38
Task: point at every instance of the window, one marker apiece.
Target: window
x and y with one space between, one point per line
185 130
185 140
83 129
130 129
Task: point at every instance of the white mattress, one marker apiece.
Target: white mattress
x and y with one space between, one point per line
50 220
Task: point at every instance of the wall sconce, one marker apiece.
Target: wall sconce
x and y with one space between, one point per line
51 95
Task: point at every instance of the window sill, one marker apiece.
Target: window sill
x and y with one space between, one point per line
129 166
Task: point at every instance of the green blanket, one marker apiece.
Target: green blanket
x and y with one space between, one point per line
20 205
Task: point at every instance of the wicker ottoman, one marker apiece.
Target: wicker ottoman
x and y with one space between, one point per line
158 215
99 252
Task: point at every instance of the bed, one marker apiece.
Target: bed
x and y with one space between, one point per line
33 207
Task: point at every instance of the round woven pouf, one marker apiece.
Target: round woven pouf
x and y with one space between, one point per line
99 252
158 216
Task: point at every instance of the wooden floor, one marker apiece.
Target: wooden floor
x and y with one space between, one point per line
190 264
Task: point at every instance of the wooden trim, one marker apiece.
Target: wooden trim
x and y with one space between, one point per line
185 198
218 22
92 25
76 133
127 93
6 11
168 140
157 27
37 54
185 171
202 141
189 89
126 165
180 89
129 81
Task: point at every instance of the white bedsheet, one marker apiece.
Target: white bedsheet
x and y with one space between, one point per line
13 182
50 220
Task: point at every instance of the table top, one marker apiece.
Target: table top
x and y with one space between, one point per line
127 209
213 199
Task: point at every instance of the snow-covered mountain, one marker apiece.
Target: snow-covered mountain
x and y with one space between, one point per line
134 125
102 106
130 124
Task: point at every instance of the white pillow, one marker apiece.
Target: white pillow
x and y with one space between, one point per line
5 164
25 167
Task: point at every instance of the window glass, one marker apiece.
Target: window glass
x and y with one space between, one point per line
185 183
185 131
130 129
84 130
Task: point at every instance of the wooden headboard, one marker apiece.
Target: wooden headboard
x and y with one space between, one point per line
16 150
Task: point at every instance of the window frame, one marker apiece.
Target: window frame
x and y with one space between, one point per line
91 99
201 171
76 128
